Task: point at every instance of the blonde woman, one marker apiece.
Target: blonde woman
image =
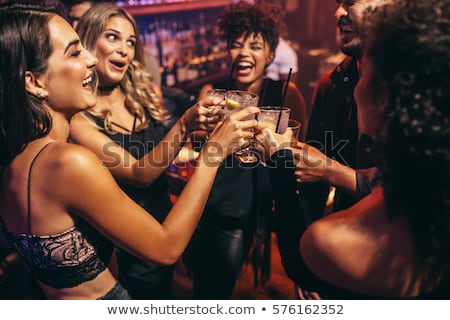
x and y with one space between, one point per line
126 129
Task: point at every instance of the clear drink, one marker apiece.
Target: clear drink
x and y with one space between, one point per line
275 119
236 100
218 93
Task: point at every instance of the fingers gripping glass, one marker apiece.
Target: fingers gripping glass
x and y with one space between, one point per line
236 100
214 93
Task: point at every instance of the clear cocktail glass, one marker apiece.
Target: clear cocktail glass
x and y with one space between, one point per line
274 118
218 94
236 100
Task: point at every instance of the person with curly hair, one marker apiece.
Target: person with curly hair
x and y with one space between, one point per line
241 200
61 208
126 129
341 160
394 243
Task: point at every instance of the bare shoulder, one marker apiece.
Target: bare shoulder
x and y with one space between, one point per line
68 158
344 234
320 243
353 248
79 176
331 248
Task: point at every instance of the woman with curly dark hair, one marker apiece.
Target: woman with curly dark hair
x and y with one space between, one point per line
241 199
395 243
252 35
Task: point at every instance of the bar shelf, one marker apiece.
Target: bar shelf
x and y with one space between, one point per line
170 7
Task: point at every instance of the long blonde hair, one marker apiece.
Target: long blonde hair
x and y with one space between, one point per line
142 93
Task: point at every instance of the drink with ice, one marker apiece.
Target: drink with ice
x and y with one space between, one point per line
236 100
275 119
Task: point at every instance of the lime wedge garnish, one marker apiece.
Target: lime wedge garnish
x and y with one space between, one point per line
231 104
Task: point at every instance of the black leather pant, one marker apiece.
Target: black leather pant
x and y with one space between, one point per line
215 257
144 280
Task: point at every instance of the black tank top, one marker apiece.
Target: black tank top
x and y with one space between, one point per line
154 198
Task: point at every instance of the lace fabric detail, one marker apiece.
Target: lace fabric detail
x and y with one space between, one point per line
67 259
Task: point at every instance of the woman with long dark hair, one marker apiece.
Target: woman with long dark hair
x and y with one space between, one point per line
61 208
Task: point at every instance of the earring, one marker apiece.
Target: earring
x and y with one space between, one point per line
41 95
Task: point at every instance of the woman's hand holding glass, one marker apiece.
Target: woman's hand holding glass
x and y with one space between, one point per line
274 133
268 142
230 134
217 97
236 100
204 115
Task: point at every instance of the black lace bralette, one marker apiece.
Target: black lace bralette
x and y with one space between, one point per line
64 260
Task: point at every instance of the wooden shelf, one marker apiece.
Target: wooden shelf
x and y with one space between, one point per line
171 7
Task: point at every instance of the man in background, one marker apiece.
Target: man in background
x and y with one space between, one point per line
333 130
333 127
76 8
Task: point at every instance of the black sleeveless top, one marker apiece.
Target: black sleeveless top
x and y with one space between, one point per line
154 198
63 260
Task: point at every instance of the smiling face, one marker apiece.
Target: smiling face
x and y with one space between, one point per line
251 56
115 49
67 81
348 14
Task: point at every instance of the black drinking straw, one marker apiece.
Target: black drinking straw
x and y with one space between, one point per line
283 98
230 77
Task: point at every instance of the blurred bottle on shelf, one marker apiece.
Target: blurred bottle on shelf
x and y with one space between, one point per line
184 43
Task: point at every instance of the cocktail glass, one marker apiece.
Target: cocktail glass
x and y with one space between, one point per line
274 118
236 100
215 93
295 126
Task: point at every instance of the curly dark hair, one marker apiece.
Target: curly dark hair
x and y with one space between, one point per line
409 46
246 19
